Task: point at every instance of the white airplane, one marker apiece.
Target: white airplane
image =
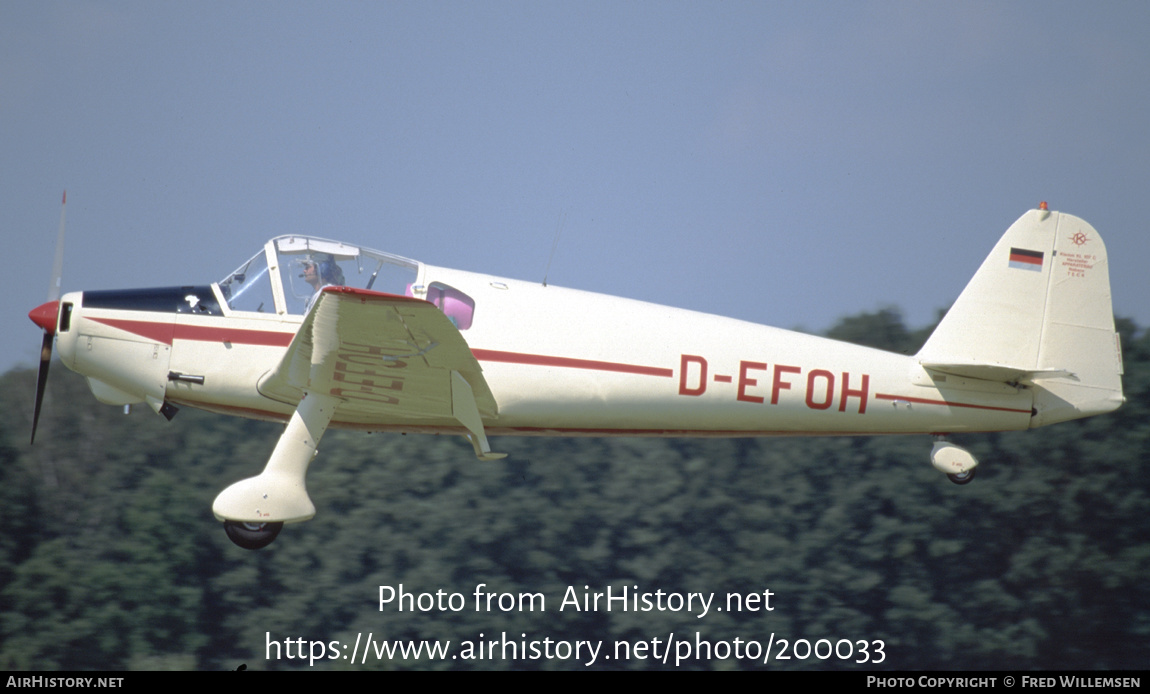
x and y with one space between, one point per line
321 333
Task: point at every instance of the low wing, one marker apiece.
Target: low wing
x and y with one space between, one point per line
389 359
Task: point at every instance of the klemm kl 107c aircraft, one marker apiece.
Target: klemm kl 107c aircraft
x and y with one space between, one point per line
321 333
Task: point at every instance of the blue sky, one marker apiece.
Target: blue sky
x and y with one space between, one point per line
786 163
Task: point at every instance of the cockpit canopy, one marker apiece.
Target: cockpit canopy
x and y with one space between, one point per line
290 271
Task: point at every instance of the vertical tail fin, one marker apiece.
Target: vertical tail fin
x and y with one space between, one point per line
1038 313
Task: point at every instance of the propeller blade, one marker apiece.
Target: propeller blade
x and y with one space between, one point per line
41 380
58 261
46 315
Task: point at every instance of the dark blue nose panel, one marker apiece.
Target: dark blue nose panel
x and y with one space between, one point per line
197 300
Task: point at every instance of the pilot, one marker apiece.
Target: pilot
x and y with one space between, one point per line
320 270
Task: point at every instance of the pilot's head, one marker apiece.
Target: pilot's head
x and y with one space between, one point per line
321 269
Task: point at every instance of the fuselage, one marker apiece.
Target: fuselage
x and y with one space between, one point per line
558 362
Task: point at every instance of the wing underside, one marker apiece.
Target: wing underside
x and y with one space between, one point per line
389 359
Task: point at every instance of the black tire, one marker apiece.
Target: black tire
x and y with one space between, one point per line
962 477
252 535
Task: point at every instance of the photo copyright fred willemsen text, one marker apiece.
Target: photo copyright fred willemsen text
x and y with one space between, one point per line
669 649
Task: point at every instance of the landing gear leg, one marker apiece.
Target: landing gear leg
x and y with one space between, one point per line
254 510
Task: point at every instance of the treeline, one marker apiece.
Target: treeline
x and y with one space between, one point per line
110 557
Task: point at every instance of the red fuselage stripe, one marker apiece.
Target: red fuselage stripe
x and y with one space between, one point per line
167 332
947 403
246 337
568 363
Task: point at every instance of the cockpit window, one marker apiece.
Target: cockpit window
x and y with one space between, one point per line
307 265
303 265
249 288
457 306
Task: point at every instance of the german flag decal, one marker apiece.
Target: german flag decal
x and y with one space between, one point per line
1022 259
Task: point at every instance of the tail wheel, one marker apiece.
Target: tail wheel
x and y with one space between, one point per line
252 535
962 477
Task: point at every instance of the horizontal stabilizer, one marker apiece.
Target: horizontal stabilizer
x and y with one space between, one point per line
997 372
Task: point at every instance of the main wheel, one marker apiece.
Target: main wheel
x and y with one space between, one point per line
252 535
962 477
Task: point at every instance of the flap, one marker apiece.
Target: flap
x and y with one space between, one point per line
388 358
